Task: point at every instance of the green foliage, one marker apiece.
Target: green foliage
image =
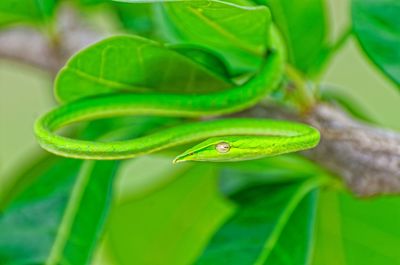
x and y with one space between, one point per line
12 11
237 31
65 204
177 218
281 210
24 177
92 2
353 231
174 220
287 168
129 64
275 212
202 56
65 208
376 25
346 102
303 24
137 18
263 226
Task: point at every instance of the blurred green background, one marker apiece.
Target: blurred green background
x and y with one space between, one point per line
27 92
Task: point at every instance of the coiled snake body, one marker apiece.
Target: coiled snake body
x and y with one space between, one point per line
225 140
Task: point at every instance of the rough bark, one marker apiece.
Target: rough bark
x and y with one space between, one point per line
365 156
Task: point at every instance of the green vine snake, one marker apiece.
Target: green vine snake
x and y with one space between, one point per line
223 140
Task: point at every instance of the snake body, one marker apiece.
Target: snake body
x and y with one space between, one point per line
225 140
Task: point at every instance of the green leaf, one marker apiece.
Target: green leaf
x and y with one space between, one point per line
298 234
92 2
280 169
24 176
174 221
303 25
26 10
376 25
351 105
138 18
203 57
58 220
237 30
271 221
66 205
353 231
130 64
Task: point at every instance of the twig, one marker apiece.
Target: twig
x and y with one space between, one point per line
366 157
30 46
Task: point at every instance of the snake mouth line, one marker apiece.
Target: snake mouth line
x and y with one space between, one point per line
184 157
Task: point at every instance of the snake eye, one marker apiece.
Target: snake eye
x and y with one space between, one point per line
222 147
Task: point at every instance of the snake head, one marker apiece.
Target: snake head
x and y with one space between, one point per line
223 149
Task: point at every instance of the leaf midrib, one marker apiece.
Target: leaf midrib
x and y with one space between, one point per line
106 82
225 33
73 204
303 190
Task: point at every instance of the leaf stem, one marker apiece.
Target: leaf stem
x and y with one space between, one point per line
303 93
341 40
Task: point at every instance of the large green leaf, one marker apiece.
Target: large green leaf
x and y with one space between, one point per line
352 231
273 225
25 10
66 204
303 25
59 219
132 64
24 176
298 235
170 224
376 25
279 169
190 208
238 33
237 30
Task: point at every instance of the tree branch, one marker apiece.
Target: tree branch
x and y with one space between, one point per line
366 157
30 46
